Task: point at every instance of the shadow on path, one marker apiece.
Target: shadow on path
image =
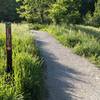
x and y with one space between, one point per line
59 78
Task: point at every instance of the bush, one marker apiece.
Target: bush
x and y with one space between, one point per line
57 12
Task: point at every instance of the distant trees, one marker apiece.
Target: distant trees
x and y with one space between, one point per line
49 10
95 20
35 10
72 11
57 11
65 11
8 10
88 6
46 11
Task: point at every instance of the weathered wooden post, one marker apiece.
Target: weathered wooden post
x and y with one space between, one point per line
9 47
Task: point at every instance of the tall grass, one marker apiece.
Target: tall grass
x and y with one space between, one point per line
26 82
83 44
88 29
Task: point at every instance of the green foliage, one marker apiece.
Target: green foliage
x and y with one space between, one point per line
36 26
8 11
95 20
65 11
34 11
47 11
88 47
26 82
57 12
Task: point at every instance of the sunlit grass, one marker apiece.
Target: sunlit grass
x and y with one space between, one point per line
26 81
88 30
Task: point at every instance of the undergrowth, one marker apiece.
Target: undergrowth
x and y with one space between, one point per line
26 81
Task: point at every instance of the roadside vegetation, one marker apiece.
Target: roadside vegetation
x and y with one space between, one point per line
83 44
26 81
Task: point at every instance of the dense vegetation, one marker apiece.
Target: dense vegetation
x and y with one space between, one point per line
48 11
26 82
8 11
61 11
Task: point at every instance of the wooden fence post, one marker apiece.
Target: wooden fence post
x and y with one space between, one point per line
9 47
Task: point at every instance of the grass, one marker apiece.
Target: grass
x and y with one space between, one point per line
36 26
79 41
26 82
88 29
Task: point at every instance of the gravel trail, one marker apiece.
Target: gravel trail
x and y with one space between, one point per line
68 76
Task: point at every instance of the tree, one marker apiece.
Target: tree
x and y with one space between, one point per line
57 11
34 10
87 6
8 10
65 11
95 19
71 11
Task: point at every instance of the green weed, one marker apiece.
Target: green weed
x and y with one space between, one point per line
26 82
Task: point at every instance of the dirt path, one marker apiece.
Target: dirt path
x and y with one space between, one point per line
68 76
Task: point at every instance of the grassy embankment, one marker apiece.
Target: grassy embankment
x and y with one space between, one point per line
26 82
83 40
